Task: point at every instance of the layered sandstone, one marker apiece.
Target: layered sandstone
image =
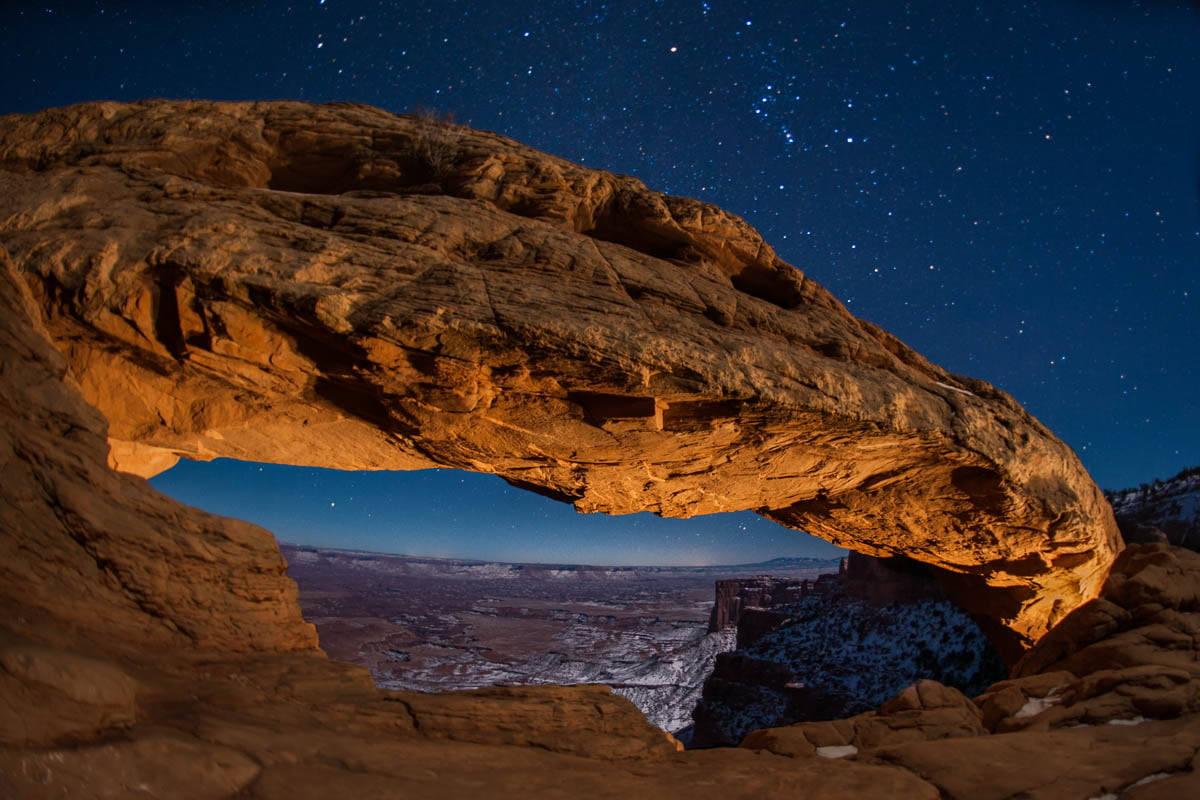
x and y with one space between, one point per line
337 286
735 595
150 649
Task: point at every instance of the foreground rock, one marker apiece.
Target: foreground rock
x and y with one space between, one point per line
340 287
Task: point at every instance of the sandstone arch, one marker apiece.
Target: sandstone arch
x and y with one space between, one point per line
297 283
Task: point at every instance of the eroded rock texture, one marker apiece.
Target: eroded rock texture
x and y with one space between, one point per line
150 649
337 286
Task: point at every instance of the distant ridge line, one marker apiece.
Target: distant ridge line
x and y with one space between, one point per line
783 562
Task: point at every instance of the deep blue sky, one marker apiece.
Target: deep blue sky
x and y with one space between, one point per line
1011 188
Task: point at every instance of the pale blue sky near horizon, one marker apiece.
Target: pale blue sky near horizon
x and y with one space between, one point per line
447 513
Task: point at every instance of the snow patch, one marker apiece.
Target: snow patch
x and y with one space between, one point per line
837 751
1036 705
1138 720
955 389
1157 776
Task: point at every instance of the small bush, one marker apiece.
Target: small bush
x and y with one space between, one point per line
436 141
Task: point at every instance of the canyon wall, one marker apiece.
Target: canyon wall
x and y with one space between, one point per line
818 650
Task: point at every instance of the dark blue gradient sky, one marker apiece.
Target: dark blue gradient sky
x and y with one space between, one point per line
1011 188
455 514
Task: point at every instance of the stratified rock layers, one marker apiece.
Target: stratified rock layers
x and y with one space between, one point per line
148 649
337 286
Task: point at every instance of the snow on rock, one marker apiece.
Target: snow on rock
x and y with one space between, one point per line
1169 509
667 687
1138 720
837 751
1157 776
1036 705
838 656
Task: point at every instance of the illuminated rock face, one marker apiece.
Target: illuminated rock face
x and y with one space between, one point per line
336 286
149 648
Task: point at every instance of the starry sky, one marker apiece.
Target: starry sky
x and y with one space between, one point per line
1011 188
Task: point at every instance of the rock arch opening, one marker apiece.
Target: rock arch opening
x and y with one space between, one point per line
442 580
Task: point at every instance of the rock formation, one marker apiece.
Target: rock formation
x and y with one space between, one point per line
191 270
866 634
735 595
151 649
882 581
337 286
1163 511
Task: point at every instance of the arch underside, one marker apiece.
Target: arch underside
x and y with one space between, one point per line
307 285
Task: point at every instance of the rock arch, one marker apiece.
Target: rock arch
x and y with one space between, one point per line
337 286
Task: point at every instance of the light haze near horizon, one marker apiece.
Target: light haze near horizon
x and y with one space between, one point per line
443 513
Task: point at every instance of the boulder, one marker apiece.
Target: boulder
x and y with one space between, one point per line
925 711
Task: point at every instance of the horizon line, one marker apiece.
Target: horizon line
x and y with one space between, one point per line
553 563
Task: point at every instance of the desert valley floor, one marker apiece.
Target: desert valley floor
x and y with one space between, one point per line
437 625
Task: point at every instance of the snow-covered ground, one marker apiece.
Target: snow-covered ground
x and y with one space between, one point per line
442 625
1172 506
838 656
661 673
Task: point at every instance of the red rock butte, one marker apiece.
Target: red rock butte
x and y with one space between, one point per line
336 286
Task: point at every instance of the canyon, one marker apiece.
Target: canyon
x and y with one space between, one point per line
445 625
307 284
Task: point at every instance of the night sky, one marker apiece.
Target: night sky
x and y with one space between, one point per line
1011 188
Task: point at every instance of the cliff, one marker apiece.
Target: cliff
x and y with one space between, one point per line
735 595
878 581
819 650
